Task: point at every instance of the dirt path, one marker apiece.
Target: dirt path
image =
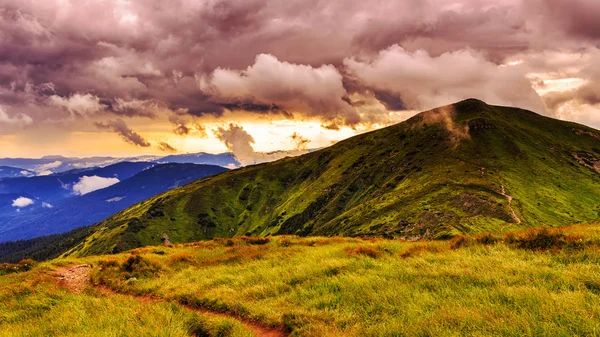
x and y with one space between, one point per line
76 277
512 211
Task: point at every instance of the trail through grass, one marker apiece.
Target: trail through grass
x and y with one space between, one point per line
543 282
533 283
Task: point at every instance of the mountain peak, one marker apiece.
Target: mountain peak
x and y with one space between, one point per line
463 168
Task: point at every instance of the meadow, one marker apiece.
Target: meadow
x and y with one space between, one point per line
531 283
33 304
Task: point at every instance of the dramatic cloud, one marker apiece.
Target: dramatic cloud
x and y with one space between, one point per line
298 88
78 104
89 184
423 82
21 202
166 147
184 126
240 142
120 127
18 120
69 64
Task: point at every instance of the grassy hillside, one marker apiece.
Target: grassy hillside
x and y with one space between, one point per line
532 283
464 168
33 304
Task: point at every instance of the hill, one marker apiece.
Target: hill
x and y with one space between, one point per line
56 164
14 172
57 186
222 159
464 168
78 211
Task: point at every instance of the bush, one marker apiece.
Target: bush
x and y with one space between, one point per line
461 241
487 239
417 249
365 251
137 266
181 258
9 268
544 239
255 240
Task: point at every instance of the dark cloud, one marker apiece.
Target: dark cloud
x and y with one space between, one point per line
166 147
497 31
577 18
152 58
390 100
184 126
257 107
120 127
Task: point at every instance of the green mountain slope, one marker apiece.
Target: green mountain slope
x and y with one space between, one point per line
464 168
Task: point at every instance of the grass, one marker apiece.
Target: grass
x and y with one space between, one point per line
531 283
32 304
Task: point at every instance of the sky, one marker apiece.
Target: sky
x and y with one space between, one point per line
136 77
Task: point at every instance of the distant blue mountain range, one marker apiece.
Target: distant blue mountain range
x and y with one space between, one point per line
14 172
36 206
54 164
54 194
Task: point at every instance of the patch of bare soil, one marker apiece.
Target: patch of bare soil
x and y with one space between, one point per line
74 278
512 211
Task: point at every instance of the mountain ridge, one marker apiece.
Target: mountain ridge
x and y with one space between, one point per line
79 211
459 169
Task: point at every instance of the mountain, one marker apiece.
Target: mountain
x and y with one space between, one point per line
464 168
85 210
14 172
55 164
222 159
58 186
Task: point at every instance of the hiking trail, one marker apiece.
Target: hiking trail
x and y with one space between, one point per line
76 277
512 211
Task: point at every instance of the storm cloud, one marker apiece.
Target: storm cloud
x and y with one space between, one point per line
104 62
121 128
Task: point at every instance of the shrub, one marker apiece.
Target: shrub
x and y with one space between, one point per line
255 240
9 268
417 249
137 266
365 251
461 241
487 239
544 239
181 258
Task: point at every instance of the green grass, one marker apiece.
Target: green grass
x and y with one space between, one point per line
32 304
525 284
532 283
